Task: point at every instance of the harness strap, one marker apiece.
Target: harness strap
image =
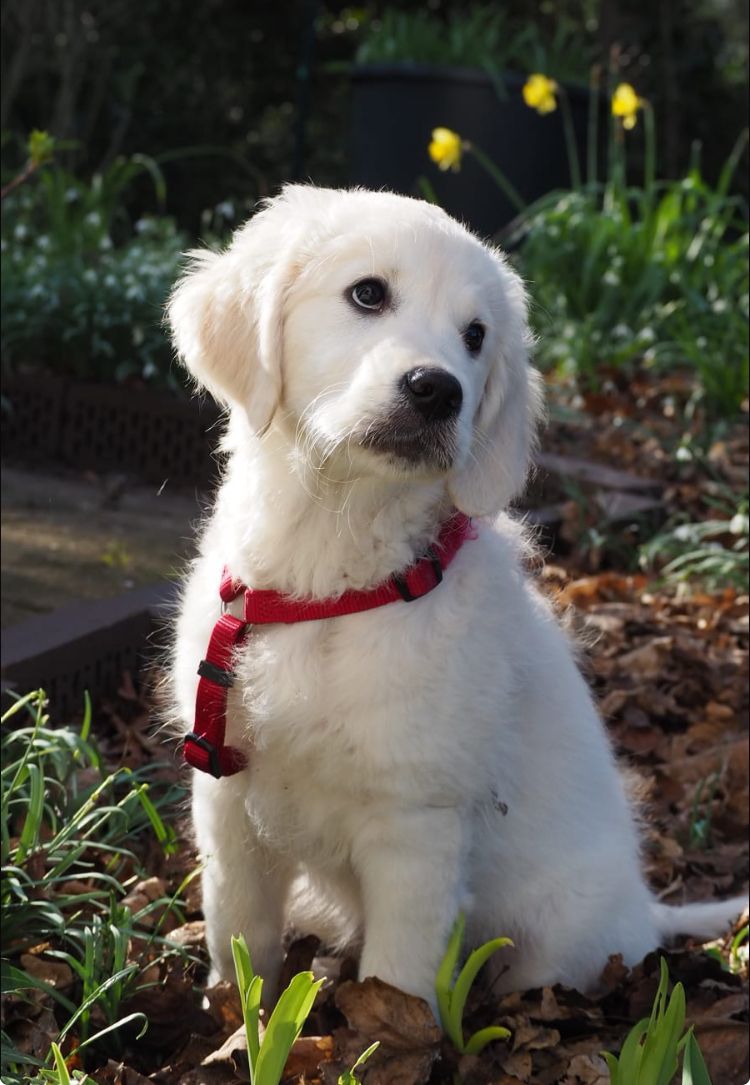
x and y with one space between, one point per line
204 748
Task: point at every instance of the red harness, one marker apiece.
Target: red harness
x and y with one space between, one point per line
204 748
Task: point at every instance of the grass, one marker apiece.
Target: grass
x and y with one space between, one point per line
68 830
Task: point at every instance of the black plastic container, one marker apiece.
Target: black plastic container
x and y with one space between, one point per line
396 106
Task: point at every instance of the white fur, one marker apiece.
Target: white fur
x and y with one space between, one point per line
418 758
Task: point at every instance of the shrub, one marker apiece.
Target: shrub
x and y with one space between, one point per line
83 290
660 275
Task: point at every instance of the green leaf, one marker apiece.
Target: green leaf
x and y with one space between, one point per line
63 1076
614 1073
34 813
694 1069
284 1026
348 1077
250 988
468 974
444 978
485 1036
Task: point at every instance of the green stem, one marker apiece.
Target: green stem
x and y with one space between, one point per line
570 139
592 134
649 159
617 170
497 175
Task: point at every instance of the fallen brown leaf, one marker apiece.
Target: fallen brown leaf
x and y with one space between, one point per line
381 1012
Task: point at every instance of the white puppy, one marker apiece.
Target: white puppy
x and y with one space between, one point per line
419 757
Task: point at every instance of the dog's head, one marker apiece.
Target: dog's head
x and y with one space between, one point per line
379 332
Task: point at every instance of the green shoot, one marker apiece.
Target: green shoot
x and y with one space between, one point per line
268 1056
650 1053
452 996
738 950
349 1077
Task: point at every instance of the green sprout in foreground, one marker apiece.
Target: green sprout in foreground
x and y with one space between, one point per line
452 997
268 1054
651 1049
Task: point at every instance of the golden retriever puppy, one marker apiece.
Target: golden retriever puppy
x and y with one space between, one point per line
436 749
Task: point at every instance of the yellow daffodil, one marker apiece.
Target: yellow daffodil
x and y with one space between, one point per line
539 93
446 148
625 105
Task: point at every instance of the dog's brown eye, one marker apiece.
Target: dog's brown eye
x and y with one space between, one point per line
474 337
369 294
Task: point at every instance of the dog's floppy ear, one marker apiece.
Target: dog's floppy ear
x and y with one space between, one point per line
506 421
226 316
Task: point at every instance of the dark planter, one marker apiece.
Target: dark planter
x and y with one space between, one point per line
151 434
396 106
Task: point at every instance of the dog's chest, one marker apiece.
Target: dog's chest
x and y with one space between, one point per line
359 711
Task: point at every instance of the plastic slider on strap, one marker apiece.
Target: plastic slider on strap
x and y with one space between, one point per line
202 743
213 673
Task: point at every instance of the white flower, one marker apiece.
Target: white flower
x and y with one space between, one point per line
739 524
43 242
683 454
685 532
611 278
20 232
93 219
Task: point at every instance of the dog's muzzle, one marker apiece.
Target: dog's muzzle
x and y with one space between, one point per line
420 427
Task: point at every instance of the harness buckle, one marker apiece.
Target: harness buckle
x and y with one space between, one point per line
402 583
437 568
213 754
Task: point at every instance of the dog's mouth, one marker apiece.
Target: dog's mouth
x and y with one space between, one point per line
413 441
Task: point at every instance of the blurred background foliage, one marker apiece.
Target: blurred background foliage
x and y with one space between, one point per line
129 132
215 90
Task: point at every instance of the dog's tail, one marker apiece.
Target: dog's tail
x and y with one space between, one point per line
697 920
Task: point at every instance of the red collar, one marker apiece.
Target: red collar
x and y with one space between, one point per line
204 747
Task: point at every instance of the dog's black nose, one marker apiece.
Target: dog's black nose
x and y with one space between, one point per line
432 392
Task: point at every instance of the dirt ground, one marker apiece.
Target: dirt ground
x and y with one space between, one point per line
68 536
